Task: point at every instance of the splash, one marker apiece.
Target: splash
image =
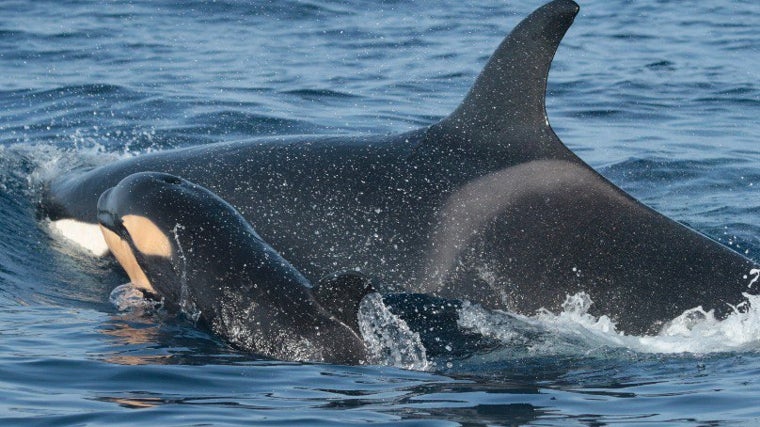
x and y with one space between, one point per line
754 272
491 324
388 338
24 168
571 332
129 298
575 331
186 304
575 310
698 331
34 165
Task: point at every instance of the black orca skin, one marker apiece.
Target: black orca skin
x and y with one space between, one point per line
487 205
215 267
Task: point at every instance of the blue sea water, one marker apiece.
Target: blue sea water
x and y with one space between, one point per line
661 97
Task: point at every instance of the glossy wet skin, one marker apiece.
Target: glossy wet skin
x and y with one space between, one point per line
487 205
198 253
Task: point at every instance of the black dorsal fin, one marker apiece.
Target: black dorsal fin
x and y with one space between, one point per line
508 96
341 293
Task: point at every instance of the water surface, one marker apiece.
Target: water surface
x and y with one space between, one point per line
660 97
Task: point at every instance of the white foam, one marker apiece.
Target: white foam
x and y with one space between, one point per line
575 311
574 329
83 234
754 272
698 331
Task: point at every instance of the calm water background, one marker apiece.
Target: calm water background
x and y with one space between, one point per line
661 97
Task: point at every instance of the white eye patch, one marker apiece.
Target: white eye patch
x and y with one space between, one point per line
123 253
146 236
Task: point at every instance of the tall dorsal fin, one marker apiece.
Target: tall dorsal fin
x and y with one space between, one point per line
341 294
509 95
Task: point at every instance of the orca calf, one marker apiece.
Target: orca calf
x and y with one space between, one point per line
179 241
182 245
486 205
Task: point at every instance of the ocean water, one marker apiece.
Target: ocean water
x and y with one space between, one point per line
661 97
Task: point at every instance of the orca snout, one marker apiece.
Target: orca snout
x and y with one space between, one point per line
106 216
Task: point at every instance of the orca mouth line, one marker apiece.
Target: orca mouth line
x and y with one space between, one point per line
108 219
111 222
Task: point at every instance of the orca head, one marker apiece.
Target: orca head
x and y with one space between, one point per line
153 221
129 233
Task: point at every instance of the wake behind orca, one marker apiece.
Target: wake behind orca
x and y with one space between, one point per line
486 205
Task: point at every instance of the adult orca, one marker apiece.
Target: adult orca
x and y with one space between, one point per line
487 204
181 242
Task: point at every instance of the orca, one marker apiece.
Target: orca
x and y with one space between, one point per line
486 205
184 247
179 242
